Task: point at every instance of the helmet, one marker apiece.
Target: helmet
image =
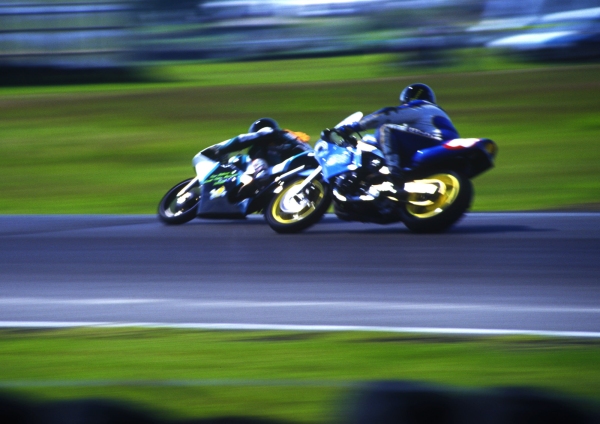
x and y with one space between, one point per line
417 91
263 123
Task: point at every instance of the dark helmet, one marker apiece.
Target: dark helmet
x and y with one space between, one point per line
263 123
417 91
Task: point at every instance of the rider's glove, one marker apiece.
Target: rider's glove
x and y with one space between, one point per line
349 129
345 129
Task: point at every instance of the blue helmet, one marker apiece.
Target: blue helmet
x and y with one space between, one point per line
263 123
417 91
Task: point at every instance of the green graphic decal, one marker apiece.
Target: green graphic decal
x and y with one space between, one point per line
220 178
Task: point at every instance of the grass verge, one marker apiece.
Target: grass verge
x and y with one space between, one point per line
117 148
293 376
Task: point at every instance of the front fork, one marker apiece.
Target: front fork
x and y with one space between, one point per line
307 181
187 187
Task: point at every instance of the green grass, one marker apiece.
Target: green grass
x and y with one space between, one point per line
117 148
291 376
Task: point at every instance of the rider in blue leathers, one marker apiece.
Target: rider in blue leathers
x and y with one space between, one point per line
418 117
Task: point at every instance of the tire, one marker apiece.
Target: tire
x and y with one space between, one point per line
173 210
438 212
286 214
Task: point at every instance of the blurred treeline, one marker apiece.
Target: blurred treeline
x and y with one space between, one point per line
42 41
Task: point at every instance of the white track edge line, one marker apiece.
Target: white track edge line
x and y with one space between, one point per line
291 327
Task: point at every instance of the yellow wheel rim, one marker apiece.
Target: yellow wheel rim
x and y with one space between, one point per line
430 204
290 206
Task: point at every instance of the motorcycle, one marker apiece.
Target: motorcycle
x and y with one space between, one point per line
231 188
436 195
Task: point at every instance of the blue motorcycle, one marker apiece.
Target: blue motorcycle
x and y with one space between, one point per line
353 170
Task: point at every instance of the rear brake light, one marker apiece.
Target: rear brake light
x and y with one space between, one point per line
461 143
491 148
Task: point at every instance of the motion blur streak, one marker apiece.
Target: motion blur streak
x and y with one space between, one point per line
317 328
306 304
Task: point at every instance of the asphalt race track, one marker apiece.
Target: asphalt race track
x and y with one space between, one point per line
532 272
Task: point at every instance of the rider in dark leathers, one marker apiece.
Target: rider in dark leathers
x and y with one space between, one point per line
266 141
268 145
417 117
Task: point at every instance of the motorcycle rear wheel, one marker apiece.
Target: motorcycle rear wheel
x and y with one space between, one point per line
291 211
175 210
435 213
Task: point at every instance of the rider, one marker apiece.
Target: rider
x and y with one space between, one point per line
266 141
268 145
418 117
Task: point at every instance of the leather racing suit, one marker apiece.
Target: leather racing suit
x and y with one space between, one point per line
271 145
267 147
418 121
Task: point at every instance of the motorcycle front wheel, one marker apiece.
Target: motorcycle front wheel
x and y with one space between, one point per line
176 209
443 200
293 210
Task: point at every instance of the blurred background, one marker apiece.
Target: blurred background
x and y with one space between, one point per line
103 104
117 34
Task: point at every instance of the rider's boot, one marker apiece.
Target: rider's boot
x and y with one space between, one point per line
398 179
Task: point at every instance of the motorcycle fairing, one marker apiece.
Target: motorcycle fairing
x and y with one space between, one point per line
213 201
335 159
203 166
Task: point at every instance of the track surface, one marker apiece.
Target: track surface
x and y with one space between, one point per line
515 271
